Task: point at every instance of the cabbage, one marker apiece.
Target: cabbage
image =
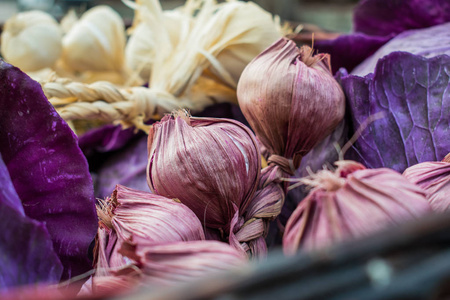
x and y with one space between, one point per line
428 42
127 167
350 50
48 170
376 22
385 17
413 93
26 250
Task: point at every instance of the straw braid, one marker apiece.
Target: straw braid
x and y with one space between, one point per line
252 229
104 101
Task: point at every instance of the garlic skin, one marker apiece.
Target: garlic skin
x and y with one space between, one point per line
141 46
96 42
172 263
290 99
152 217
69 20
434 178
212 165
257 29
351 202
146 239
31 41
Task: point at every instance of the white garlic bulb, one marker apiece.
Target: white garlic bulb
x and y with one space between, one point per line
69 20
31 40
96 42
139 51
247 30
140 48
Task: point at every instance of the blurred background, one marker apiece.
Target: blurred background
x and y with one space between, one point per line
331 15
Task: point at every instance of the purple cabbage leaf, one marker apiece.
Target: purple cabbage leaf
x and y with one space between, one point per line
105 139
413 93
382 18
26 250
427 42
375 22
47 168
349 50
127 167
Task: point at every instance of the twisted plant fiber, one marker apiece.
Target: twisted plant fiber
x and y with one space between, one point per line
251 229
106 102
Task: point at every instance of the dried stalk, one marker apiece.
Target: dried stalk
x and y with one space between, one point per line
129 106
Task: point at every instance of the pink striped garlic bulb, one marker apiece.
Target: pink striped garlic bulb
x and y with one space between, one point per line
434 178
351 202
154 218
212 165
291 101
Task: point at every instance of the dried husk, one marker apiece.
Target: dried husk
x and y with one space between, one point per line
351 202
31 40
249 231
152 217
211 165
141 47
291 101
96 42
178 262
434 178
112 285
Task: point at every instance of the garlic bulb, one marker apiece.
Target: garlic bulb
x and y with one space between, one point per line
68 21
434 178
291 100
212 165
351 202
141 47
31 40
96 42
246 32
154 218
173 263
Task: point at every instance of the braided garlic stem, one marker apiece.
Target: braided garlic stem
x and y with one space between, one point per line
106 102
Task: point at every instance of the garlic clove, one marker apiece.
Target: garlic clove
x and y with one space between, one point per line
141 46
31 41
434 178
172 263
246 30
96 42
151 217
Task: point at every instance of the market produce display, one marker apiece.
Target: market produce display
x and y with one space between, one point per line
201 142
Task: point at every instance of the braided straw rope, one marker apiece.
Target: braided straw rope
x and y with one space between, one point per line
106 102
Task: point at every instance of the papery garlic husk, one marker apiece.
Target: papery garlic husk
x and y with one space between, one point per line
96 42
31 40
174 263
69 20
434 178
216 29
212 165
352 202
290 99
140 48
257 28
249 231
121 283
152 217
